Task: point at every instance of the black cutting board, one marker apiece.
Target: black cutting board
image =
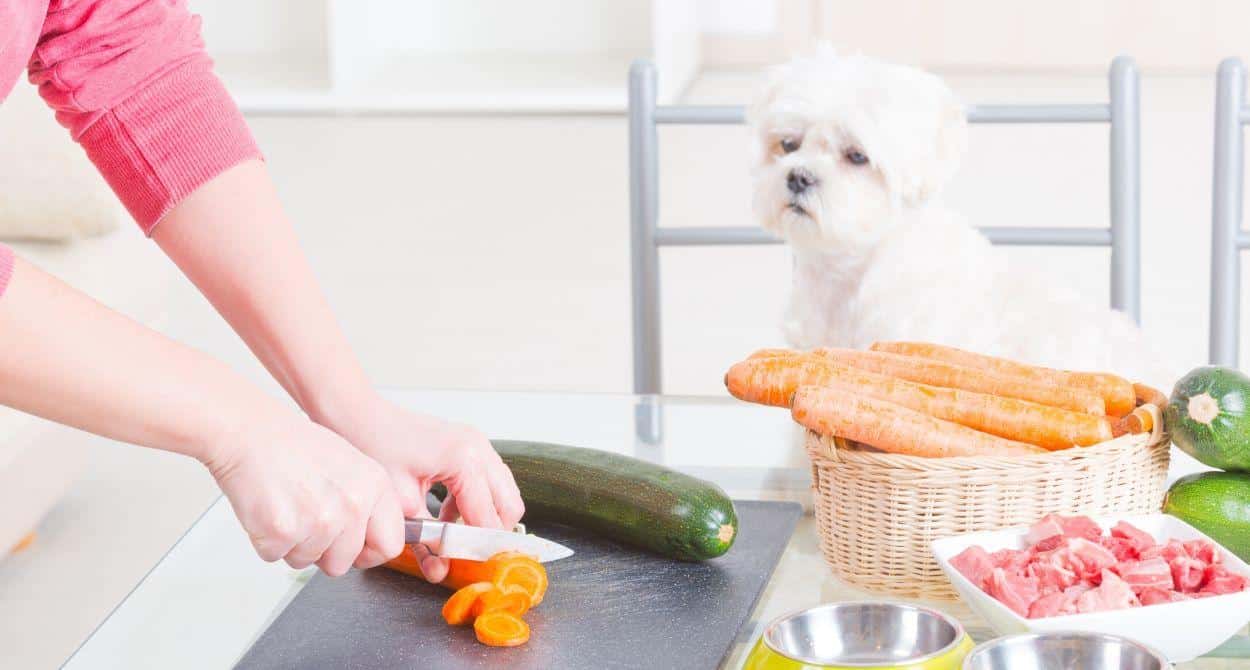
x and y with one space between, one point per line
608 606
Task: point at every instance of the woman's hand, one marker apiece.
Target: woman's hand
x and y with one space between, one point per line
419 450
305 495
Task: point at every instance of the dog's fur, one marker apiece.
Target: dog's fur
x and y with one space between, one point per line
853 155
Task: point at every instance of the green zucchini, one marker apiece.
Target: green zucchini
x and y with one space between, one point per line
1209 417
622 498
1216 503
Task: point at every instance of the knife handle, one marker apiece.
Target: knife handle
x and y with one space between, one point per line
425 531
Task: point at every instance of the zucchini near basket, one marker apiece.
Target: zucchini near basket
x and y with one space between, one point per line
878 513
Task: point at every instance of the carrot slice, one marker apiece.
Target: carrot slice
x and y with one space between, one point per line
939 373
526 573
513 599
895 428
773 381
501 629
459 608
504 568
1116 392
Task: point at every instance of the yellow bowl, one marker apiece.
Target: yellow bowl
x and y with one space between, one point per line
857 635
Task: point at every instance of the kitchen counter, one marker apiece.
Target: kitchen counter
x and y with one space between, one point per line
209 598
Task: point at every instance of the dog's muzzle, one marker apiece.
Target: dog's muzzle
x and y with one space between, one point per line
799 180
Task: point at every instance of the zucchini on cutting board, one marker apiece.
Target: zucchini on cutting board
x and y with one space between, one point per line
622 498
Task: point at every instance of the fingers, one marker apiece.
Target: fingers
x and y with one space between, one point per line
276 538
449 512
343 551
475 504
384 534
324 530
507 497
432 567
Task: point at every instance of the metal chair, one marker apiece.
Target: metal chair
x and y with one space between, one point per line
1122 112
1227 237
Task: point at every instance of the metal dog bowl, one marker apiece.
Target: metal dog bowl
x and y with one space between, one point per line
861 635
1043 651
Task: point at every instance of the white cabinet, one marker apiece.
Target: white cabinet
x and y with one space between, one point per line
445 55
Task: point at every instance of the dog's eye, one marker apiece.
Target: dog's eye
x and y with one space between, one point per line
855 157
790 145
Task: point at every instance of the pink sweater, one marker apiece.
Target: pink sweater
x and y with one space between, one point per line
131 82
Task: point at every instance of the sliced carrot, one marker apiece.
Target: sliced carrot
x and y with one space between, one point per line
894 428
502 569
460 607
939 373
501 629
513 598
1116 392
526 573
774 380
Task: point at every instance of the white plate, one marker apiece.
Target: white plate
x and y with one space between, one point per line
1182 631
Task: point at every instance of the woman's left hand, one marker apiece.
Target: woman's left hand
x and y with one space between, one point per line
418 451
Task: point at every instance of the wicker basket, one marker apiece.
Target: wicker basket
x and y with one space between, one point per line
878 513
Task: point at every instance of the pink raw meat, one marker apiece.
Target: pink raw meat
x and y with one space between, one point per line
1112 594
1153 596
1187 574
1054 604
1138 538
1124 550
1014 591
1052 571
1011 560
1080 526
1089 559
1153 573
1049 544
1204 551
1219 580
1172 550
1046 527
973 563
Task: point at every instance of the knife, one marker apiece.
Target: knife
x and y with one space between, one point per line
456 540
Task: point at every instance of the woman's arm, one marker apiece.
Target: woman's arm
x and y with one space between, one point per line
233 240
301 492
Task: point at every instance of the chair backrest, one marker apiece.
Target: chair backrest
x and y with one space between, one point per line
646 237
1227 237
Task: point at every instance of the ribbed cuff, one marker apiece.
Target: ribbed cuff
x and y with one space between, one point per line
160 144
6 267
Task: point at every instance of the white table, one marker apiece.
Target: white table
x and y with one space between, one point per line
209 598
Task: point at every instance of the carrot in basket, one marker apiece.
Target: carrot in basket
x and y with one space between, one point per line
895 428
774 353
773 381
1150 396
1115 391
938 373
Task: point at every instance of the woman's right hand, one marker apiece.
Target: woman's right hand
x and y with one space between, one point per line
306 495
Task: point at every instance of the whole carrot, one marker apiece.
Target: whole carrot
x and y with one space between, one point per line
895 428
938 373
774 353
1116 392
773 381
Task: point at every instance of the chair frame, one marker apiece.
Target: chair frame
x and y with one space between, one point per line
1121 112
1227 237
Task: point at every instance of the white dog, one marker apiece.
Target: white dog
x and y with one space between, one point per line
854 154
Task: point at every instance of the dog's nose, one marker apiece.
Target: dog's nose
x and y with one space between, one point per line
799 180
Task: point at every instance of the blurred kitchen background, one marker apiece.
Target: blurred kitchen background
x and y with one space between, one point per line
458 175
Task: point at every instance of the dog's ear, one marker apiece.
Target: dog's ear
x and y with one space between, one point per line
935 159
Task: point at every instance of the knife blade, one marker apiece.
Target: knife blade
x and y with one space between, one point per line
456 540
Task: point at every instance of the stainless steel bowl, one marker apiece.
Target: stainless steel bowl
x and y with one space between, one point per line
1060 651
867 634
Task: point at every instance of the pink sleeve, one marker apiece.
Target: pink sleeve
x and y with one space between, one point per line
6 267
131 81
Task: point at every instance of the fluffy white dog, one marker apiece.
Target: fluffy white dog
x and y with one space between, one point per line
854 154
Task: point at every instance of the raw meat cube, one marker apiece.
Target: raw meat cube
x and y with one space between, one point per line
1089 559
973 563
1053 572
1049 544
1047 527
1172 550
1219 580
1080 526
1054 604
1011 560
1015 591
1154 596
1138 538
1123 549
1154 573
1112 594
1204 550
1187 574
